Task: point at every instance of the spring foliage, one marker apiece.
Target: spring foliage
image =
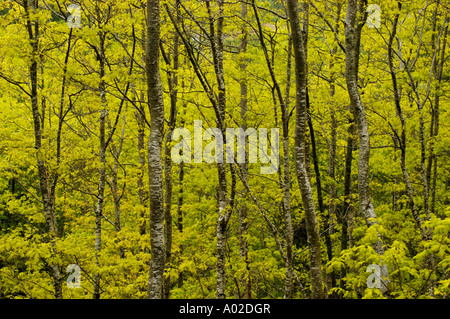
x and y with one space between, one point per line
70 105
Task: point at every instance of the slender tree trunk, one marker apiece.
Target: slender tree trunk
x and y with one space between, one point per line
224 212
62 115
353 28
173 83
439 67
288 292
116 151
156 109
140 117
102 156
436 111
300 163
117 209
140 181
332 146
402 138
180 215
180 196
345 212
344 215
242 207
332 175
319 183
100 202
141 120
49 212
423 157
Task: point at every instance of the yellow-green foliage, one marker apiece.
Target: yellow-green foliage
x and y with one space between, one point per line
26 247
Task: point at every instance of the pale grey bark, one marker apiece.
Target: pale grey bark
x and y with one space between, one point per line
156 109
353 26
300 161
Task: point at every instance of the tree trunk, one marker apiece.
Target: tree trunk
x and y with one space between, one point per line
218 100
242 208
173 83
439 67
344 215
332 145
116 151
224 212
49 212
312 228
319 182
286 183
288 291
141 173
156 109
102 156
141 121
180 196
402 138
180 214
100 200
353 28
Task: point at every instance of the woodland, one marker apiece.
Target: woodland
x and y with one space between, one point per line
98 200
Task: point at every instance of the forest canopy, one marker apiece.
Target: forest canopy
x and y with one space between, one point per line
224 149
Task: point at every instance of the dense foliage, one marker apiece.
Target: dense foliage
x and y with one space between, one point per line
99 70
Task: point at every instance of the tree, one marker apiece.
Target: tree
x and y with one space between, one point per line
91 177
300 165
354 22
155 172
